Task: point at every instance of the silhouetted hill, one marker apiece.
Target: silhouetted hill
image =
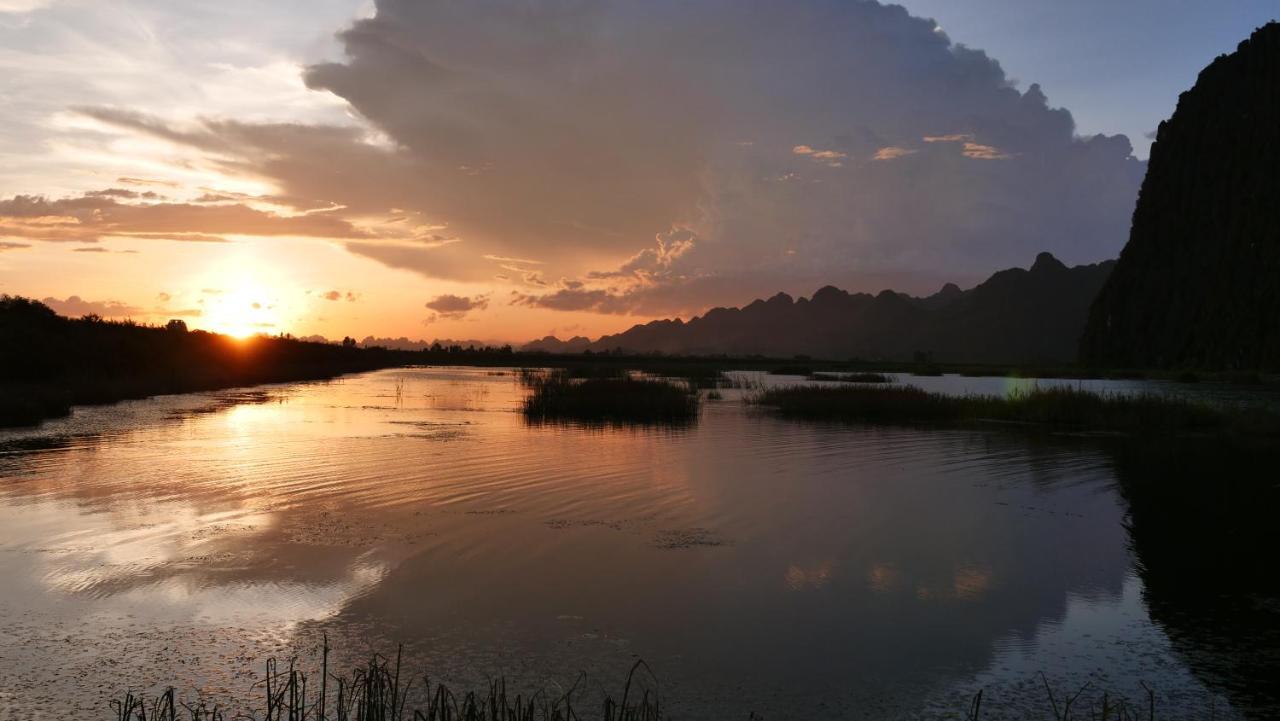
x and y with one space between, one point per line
552 344
1016 316
1198 284
403 343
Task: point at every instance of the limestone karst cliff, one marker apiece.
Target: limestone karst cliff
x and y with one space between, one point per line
1198 284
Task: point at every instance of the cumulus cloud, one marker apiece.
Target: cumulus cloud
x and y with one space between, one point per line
455 307
755 125
574 132
74 306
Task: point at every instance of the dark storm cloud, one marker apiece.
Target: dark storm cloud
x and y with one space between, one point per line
762 127
840 140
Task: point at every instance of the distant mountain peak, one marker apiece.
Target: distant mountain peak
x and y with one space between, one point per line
828 293
1046 262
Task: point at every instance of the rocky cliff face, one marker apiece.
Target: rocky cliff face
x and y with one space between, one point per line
1198 284
1015 316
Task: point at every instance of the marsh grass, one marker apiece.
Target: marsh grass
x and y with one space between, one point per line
927 369
698 376
624 400
859 377
1071 408
378 691
791 370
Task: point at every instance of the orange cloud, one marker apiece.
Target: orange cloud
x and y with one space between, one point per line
978 151
90 217
893 152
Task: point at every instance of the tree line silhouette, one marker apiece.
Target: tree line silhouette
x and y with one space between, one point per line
49 363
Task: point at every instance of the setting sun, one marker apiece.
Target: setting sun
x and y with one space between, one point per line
244 309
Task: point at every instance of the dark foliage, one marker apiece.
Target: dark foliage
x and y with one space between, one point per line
1198 285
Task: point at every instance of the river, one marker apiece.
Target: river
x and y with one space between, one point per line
756 564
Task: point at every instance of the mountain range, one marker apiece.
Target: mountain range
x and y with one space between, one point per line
1018 315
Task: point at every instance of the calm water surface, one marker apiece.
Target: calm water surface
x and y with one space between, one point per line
756 564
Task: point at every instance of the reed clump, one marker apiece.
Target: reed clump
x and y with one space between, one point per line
1061 407
859 377
378 691
625 400
791 370
697 375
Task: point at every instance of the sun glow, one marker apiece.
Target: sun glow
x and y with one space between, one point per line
244 309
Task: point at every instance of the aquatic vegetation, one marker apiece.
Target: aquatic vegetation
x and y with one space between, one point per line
791 370
928 369
699 375
1054 407
860 377
610 400
378 691
593 371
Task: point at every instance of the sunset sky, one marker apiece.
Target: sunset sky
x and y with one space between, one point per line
505 169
